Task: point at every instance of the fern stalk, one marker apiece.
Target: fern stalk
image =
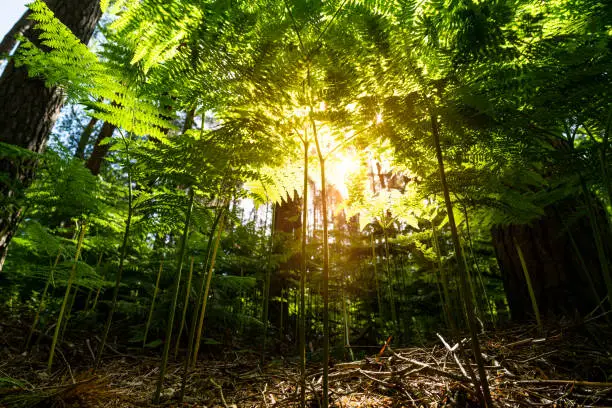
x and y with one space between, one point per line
58 325
69 311
470 280
211 269
532 296
41 305
483 390
177 283
345 315
88 300
199 300
264 313
192 327
152 307
90 293
390 279
485 296
443 278
126 234
282 312
185 306
380 309
302 309
325 261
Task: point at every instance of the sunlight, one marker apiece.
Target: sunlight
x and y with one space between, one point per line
379 118
342 167
342 164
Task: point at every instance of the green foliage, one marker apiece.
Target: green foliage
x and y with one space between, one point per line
520 91
70 64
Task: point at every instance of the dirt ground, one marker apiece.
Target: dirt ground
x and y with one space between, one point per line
563 367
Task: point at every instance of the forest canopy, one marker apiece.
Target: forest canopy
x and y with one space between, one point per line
308 178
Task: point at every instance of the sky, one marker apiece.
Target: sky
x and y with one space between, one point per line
10 11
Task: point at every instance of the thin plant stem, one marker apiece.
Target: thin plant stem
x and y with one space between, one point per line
483 390
302 309
532 296
126 235
264 314
177 284
43 296
58 325
211 270
152 307
185 306
380 309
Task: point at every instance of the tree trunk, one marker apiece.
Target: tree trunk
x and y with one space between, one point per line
10 41
29 111
84 139
94 163
557 272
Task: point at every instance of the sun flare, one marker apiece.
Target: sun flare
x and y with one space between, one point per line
341 168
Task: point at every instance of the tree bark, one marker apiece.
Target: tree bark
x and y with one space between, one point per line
10 41
84 139
557 272
20 28
94 163
29 111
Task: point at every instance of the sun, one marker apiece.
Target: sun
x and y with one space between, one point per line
342 167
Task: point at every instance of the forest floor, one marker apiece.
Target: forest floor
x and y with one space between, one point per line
569 365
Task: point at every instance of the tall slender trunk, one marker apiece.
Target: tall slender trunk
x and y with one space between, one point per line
266 304
465 293
345 315
380 309
390 284
302 309
177 284
29 111
325 289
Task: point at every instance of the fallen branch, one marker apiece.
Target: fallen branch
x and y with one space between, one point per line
567 382
433 370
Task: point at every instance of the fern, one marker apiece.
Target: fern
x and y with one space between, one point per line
70 64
